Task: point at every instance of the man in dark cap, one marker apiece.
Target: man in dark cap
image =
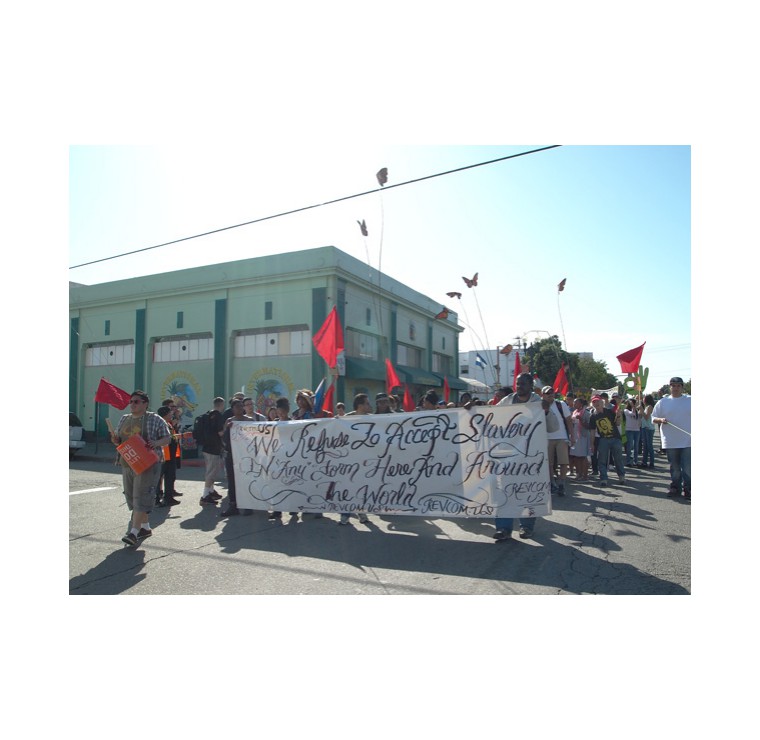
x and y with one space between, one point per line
382 404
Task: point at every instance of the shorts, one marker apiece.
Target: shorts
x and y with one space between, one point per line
558 452
140 490
214 466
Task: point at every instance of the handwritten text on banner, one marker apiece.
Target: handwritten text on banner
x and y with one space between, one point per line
485 462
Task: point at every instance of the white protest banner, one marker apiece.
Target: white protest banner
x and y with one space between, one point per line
488 461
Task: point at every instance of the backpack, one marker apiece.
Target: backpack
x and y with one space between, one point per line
200 428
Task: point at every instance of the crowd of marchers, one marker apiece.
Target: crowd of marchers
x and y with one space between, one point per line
586 438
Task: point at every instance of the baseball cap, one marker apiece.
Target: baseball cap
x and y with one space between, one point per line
547 389
596 398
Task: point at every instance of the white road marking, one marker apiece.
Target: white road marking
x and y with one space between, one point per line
93 490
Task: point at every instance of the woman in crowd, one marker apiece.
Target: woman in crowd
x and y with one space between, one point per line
580 451
647 432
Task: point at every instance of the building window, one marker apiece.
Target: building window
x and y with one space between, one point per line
107 330
180 319
109 354
443 342
412 331
268 311
441 364
365 346
178 350
409 356
273 343
369 317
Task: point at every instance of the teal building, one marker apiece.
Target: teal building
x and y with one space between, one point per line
247 326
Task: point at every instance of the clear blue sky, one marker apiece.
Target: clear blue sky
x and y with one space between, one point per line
609 219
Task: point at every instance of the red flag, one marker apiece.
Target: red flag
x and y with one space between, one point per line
409 404
329 399
517 371
391 379
561 384
446 389
328 341
110 394
630 360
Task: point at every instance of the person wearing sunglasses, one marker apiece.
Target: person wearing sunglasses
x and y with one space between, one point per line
139 489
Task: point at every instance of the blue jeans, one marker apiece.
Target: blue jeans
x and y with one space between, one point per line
632 447
607 447
680 468
528 523
647 456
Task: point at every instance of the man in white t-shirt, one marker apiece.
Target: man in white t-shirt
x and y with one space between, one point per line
673 414
560 441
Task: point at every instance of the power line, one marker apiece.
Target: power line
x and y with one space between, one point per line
316 205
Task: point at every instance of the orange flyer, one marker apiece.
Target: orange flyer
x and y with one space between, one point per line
137 454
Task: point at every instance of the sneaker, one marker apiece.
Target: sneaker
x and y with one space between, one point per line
129 539
143 534
622 481
216 496
343 519
169 502
230 511
525 534
275 515
603 483
502 534
687 494
207 501
363 518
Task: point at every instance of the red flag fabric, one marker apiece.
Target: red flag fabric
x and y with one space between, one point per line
328 341
517 371
561 384
391 379
110 394
630 360
328 402
446 389
409 404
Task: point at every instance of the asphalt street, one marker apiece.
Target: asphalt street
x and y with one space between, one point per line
626 539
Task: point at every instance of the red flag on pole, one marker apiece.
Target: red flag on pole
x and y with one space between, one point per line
446 389
517 371
328 402
391 379
409 404
561 384
110 394
328 341
630 360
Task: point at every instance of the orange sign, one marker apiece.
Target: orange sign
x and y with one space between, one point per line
137 454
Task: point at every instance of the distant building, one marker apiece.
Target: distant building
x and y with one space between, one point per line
248 325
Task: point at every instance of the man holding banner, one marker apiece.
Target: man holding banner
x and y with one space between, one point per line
139 480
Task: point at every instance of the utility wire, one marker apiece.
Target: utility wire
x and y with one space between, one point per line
316 205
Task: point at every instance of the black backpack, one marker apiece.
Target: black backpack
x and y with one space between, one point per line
200 428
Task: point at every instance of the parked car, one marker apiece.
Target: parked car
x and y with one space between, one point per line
76 435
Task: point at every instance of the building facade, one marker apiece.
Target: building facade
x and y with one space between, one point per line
247 325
